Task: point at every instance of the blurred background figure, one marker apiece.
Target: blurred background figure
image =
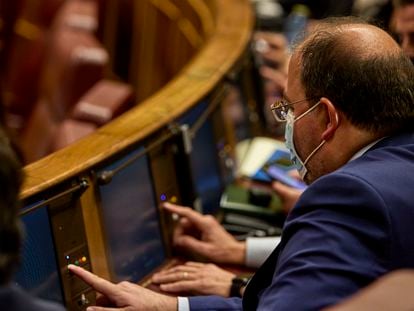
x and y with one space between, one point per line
12 297
402 24
279 27
280 24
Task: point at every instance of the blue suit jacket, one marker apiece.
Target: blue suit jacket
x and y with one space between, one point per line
12 298
348 228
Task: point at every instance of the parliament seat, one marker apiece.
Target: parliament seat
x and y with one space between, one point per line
21 87
37 134
76 61
25 35
40 13
79 15
103 102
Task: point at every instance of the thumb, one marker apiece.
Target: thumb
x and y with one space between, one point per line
95 308
289 195
283 190
193 245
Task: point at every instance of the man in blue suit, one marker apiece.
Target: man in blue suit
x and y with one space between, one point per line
349 112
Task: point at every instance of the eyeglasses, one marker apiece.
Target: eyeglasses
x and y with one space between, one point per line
281 107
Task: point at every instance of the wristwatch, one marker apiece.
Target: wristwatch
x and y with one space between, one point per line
237 283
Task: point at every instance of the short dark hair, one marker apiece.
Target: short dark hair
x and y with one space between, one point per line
401 3
10 183
375 91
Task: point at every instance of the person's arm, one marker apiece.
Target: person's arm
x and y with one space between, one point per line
272 47
335 241
209 303
215 303
128 296
203 235
124 295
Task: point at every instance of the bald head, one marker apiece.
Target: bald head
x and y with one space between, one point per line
367 41
362 70
353 36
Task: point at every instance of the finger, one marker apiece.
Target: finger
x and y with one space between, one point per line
181 268
163 278
96 308
172 277
278 57
182 286
99 284
276 76
295 174
285 191
194 264
178 269
192 244
195 217
183 226
274 40
185 223
103 301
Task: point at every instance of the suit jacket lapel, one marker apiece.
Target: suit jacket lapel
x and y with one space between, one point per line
260 280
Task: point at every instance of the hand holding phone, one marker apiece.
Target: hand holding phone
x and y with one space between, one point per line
276 173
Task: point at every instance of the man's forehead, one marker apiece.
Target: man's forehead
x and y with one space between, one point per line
294 82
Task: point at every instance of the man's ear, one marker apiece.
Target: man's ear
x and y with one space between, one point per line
332 118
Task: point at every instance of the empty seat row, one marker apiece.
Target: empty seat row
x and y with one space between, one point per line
55 85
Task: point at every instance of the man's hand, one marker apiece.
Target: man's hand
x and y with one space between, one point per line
276 51
123 296
289 195
203 235
275 54
195 278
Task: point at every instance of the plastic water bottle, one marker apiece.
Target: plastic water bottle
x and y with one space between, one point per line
296 23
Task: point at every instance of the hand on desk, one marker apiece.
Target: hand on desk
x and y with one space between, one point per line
203 235
195 278
123 296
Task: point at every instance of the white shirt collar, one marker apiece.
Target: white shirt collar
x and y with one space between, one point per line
364 149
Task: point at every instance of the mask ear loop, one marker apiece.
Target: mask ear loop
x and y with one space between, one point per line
321 144
313 152
323 141
307 111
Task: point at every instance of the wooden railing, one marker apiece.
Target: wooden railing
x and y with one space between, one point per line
226 30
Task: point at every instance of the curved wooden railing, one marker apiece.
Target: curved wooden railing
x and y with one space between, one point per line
231 30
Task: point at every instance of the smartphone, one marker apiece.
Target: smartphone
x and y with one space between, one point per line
276 173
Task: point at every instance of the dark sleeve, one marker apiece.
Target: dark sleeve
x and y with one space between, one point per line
214 303
336 240
16 299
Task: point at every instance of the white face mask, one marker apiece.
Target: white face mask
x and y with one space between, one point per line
290 121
